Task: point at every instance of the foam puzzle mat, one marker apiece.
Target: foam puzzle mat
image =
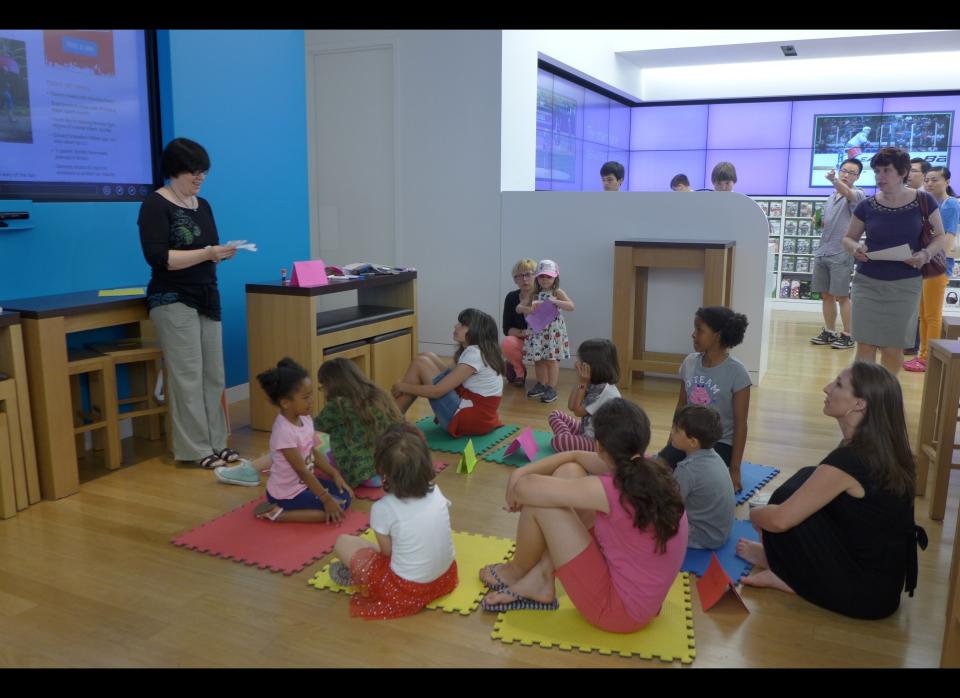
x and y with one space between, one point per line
280 547
697 560
669 637
473 552
439 440
752 478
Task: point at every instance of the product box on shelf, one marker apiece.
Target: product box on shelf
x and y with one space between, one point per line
806 209
805 228
793 208
776 209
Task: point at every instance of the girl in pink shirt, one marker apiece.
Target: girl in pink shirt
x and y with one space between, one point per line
294 493
610 525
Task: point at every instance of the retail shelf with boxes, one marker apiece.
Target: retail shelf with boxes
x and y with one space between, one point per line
795 235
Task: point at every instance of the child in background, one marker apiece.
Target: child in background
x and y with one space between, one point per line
597 373
547 347
704 480
356 412
412 563
464 398
294 494
515 324
710 376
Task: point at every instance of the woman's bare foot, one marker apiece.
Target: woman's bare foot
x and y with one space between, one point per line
497 575
752 552
537 584
767 578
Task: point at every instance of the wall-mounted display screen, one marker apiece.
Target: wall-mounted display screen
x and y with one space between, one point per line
76 115
837 137
779 147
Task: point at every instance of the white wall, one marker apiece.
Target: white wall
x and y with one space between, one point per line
577 230
447 87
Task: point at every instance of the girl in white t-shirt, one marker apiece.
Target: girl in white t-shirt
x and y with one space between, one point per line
412 563
464 398
294 493
597 374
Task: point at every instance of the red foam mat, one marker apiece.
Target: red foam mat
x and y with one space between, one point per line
280 547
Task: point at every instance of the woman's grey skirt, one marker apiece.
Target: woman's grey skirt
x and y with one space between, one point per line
885 312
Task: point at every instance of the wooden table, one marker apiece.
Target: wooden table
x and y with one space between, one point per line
24 483
46 322
379 333
632 259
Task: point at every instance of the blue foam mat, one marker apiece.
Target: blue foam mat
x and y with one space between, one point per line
697 560
752 478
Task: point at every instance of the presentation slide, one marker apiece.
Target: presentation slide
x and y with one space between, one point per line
838 137
74 115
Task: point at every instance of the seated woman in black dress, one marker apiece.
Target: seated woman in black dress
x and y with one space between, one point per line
842 534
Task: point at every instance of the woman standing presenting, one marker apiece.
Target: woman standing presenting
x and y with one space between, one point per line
181 245
886 294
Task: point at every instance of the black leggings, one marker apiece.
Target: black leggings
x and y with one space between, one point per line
674 455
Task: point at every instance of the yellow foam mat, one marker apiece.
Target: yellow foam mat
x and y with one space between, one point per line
668 637
473 551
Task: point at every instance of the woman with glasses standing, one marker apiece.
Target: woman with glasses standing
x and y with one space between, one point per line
937 183
180 243
515 323
886 293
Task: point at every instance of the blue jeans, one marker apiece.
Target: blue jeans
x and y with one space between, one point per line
444 407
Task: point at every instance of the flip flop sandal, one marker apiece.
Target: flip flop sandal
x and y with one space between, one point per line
210 462
340 574
522 603
492 569
228 455
267 510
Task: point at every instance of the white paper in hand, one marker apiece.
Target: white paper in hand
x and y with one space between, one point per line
899 253
242 245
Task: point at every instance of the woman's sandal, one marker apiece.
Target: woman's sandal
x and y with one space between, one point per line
210 462
492 569
228 455
521 603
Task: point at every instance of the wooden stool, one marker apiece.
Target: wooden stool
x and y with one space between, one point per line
938 421
103 399
13 484
143 365
950 654
950 327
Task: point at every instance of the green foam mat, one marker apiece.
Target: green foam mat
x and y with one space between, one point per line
518 458
439 440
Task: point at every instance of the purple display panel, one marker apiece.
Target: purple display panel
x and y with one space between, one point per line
669 128
596 118
620 126
594 155
568 101
934 103
801 130
749 125
652 170
544 101
759 172
567 156
544 164
623 157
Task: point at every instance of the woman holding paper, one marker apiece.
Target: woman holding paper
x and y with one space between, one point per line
842 534
886 288
180 243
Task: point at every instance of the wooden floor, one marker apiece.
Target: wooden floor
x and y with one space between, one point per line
92 580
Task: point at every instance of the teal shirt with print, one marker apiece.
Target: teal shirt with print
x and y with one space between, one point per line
350 441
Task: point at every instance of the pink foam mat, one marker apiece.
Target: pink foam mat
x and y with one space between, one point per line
280 547
375 493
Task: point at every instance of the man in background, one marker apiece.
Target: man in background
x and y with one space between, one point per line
680 183
611 175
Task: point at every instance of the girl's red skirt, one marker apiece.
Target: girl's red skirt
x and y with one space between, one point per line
383 594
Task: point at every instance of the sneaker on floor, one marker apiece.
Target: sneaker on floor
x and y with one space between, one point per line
916 365
549 395
845 341
825 337
244 474
537 390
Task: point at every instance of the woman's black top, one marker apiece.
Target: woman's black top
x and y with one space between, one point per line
164 226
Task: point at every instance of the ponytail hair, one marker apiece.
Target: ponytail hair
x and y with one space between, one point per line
647 488
280 382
